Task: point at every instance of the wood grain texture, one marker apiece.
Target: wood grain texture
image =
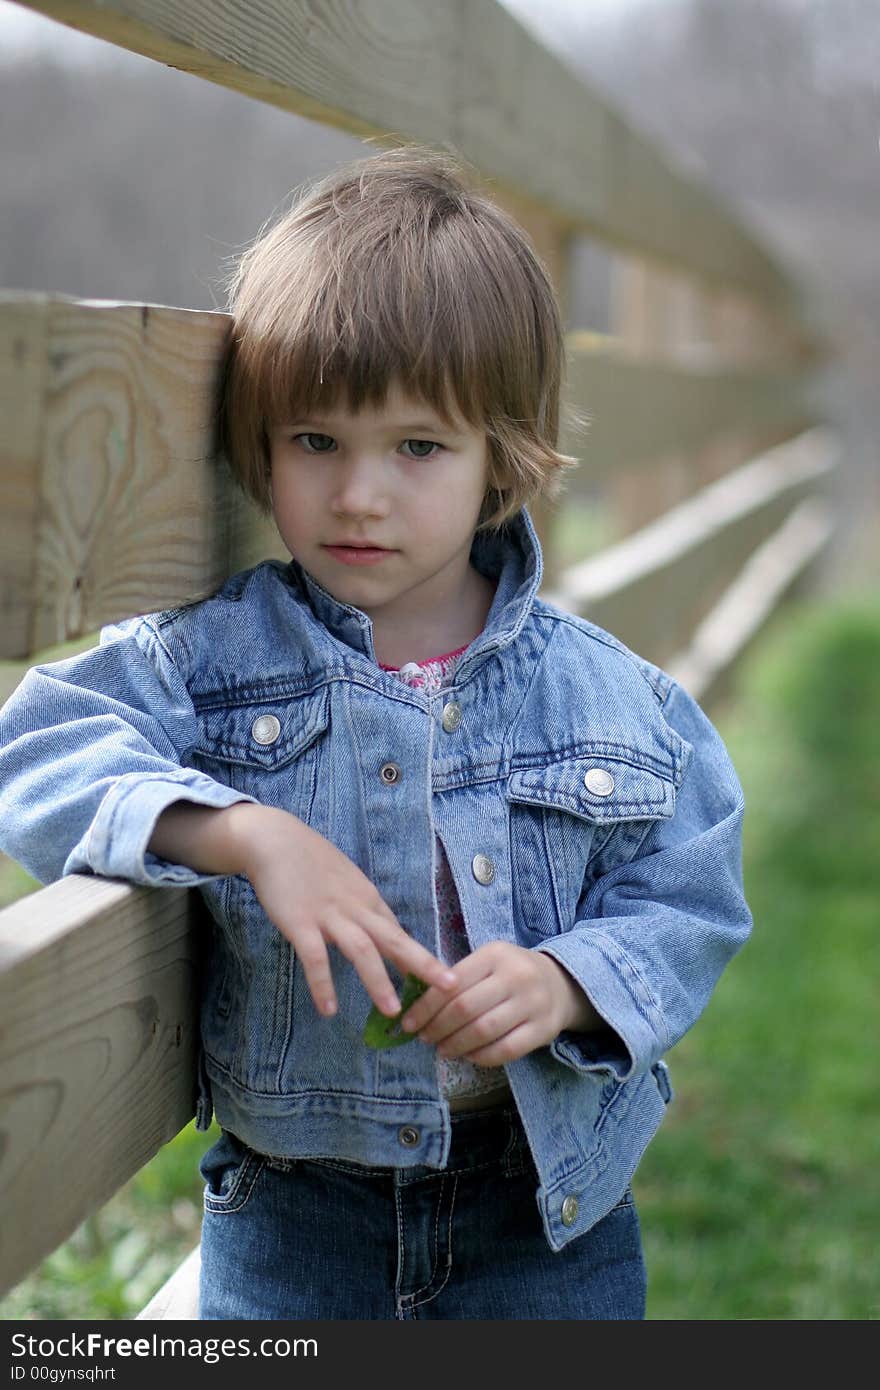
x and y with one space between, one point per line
114 504
24 363
466 74
98 1048
653 588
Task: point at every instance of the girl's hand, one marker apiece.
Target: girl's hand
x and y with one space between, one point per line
315 894
508 1001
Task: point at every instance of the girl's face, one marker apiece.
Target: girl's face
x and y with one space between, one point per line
397 479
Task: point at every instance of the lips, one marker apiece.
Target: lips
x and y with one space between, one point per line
348 554
353 545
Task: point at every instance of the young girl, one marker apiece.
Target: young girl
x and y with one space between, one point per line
390 757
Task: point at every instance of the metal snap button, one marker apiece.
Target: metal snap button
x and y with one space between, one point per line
569 1211
451 717
599 781
390 773
409 1136
265 729
483 868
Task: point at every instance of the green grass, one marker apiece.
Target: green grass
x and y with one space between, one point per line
758 1197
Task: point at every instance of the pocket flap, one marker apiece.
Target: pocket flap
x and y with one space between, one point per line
599 789
266 734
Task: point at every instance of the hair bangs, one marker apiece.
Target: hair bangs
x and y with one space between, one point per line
339 354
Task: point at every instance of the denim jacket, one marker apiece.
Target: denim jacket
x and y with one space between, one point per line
586 806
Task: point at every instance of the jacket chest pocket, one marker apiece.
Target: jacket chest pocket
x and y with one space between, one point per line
572 821
270 750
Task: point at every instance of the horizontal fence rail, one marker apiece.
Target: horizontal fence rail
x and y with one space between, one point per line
98 1043
719 641
641 410
468 74
653 587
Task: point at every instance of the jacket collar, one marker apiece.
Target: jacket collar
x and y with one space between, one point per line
512 555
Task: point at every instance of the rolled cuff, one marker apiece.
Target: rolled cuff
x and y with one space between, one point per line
636 1035
115 845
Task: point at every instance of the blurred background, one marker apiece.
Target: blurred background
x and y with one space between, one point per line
759 1197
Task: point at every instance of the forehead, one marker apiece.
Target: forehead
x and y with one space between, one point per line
399 411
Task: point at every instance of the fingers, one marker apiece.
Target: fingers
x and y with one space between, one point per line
480 1032
490 1037
500 1009
507 1048
474 970
471 1015
413 959
364 944
317 896
311 953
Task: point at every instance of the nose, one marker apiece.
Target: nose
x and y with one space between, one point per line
360 486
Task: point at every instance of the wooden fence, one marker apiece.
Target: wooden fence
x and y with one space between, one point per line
705 446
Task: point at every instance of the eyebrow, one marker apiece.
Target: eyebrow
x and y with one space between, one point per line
401 427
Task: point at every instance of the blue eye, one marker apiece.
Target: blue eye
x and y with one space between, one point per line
427 443
311 449
314 443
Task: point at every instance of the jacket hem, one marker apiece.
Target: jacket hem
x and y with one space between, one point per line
377 1132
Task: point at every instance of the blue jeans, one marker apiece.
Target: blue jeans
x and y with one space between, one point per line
307 1239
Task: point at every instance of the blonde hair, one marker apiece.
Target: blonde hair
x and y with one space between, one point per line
393 268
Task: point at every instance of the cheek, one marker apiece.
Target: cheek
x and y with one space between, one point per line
459 496
289 511
287 491
276 486
277 498
477 499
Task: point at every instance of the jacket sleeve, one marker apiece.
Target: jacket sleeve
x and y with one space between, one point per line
91 753
653 936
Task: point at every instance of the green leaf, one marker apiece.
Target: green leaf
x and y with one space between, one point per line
380 1030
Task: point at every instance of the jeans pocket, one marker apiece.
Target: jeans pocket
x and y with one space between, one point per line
230 1170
